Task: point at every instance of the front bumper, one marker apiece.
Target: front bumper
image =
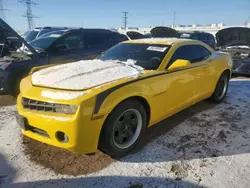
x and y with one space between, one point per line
81 130
4 82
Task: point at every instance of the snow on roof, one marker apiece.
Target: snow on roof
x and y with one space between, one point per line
84 74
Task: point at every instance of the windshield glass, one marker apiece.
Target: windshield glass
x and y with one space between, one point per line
185 35
43 43
31 35
148 56
53 34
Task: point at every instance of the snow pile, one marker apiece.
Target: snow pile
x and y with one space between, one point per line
85 74
61 95
240 46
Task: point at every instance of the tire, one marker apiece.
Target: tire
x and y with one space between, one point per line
220 91
124 129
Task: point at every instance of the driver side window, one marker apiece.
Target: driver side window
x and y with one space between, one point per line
192 53
70 42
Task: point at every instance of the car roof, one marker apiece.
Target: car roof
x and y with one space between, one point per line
195 32
163 41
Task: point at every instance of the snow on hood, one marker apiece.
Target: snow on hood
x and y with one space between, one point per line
62 95
85 74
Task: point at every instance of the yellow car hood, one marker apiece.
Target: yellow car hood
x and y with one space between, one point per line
86 74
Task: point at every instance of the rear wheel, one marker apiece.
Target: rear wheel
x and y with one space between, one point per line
221 88
123 129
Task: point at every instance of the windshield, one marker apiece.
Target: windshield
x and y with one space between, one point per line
185 36
53 34
148 56
43 43
31 35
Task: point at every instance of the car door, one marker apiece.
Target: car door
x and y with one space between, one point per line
68 48
205 72
180 84
201 69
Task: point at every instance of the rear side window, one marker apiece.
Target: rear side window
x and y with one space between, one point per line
195 37
96 39
202 37
205 53
192 53
211 39
70 42
31 35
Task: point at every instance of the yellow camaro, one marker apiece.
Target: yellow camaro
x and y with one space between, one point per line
109 102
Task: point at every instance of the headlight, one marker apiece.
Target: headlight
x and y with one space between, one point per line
66 109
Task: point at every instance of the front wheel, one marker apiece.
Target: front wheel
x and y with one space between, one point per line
123 129
221 88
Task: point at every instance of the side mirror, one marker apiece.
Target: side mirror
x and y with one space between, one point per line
179 64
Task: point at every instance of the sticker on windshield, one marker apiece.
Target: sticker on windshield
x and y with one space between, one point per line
157 48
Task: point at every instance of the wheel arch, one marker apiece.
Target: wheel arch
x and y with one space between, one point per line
141 99
228 72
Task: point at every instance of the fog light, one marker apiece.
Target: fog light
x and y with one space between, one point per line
62 137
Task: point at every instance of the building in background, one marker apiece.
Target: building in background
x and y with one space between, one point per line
211 28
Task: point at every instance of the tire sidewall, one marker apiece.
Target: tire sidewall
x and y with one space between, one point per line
215 96
106 139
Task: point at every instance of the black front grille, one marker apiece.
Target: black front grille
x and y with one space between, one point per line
38 105
38 131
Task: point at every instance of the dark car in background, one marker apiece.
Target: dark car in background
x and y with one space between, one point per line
164 32
205 37
38 31
132 35
168 32
53 48
236 41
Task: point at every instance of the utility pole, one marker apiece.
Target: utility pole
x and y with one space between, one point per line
2 9
174 20
125 19
28 14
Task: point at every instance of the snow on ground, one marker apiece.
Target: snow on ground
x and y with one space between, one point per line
208 146
84 74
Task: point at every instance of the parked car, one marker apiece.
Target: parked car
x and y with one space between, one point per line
168 32
54 48
164 32
108 103
38 31
236 41
135 35
207 38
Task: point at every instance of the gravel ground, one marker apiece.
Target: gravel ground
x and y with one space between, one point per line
206 145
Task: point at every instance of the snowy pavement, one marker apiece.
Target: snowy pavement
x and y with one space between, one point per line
208 145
